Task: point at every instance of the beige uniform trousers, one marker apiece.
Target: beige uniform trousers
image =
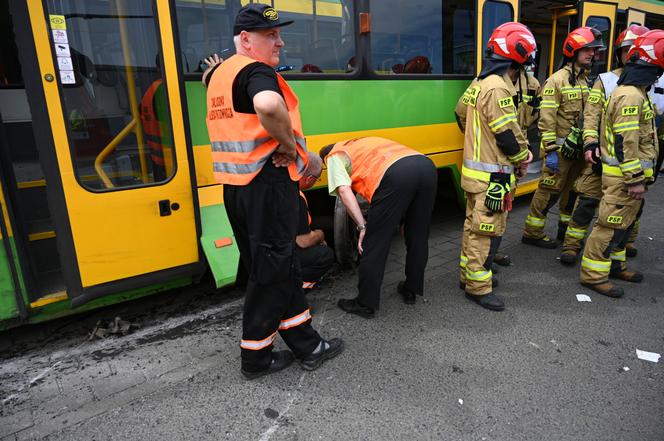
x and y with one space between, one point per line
482 232
553 186
605 248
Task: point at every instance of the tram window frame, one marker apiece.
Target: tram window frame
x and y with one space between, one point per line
168 98
486 32
594 73
372 74
288 75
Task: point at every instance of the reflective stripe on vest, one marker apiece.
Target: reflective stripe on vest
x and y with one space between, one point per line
307 205
370 158
150 123
240 144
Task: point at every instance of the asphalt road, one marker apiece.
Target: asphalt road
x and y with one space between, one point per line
547 368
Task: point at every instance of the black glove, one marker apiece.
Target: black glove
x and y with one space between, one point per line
571 148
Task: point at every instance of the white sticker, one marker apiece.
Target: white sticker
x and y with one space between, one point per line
583 298
64 63
62 50
67 77
60 36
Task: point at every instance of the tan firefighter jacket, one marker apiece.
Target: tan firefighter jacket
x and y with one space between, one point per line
592 114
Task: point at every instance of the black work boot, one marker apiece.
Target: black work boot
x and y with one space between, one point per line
502 259
353 306
408 296
542 242
488 301
631 250
326 349
494 283
280 360
626 275
606 288
568 257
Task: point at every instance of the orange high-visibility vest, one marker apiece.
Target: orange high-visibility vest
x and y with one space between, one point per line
307 205
370 158
151 126
240 144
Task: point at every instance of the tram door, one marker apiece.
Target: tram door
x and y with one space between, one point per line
601 16
491 14
108 121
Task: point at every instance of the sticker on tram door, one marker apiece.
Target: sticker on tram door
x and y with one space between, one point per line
64 63
62 50
57 21
60 36
67 77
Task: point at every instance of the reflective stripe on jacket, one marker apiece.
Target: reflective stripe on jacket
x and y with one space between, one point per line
240 144
370 158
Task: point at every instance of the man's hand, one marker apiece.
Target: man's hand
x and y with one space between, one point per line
360 241
283 156
592 153
522 170
213 60
636 191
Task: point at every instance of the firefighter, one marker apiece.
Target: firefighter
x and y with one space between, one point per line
588 186
561 110
495 148
399 183
527 104
628 153
259 154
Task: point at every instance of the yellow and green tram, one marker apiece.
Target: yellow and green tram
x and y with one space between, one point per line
106 187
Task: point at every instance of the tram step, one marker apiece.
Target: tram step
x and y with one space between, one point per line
31 184
40 229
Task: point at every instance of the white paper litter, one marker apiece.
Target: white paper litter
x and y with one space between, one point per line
583 298
460 401
626 369
648 356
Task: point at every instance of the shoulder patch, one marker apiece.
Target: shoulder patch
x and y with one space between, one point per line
629 110
593 99
548 91
505 102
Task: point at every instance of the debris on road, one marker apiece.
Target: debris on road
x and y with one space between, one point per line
116 327
648 356
583 298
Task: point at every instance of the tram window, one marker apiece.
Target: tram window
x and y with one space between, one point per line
321 39
494 14
115 101
600 62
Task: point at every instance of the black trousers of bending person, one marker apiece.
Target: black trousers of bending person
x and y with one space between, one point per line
315 262
263 215
407 190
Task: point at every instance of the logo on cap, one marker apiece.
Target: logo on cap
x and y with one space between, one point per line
271 14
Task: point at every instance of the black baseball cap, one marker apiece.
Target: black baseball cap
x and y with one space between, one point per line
257 16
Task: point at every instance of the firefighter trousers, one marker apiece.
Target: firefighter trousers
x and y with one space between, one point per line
315 261
605 248
407 191
553 187
588 187
264 217
483 231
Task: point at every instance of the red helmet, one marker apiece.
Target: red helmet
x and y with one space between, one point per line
512 41
626 38
580 38
648 49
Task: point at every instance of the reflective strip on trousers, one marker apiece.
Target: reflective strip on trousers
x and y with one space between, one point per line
577 233
295 321
478 276
619 255
463 261
486 167
535 221
257 345
565 218
308 285
602 266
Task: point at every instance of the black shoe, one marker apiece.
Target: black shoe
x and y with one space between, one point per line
353 306
502 259
280 360
494 283
488 301
631 250
568 258
409 297
331 348
543 242
627 275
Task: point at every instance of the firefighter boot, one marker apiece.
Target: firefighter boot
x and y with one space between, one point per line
631 250
488 301
605 288
626 275
543 242
280 360
568 257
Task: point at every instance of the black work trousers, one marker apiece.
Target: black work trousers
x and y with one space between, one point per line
407 191
315 261
264 215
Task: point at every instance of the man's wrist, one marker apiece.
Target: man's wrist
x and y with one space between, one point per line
361 227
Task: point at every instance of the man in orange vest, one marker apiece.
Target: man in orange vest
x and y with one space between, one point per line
316 258
259 154
152 131
399 183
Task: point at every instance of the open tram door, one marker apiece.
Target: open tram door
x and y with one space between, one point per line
106 99
491 14
602 16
